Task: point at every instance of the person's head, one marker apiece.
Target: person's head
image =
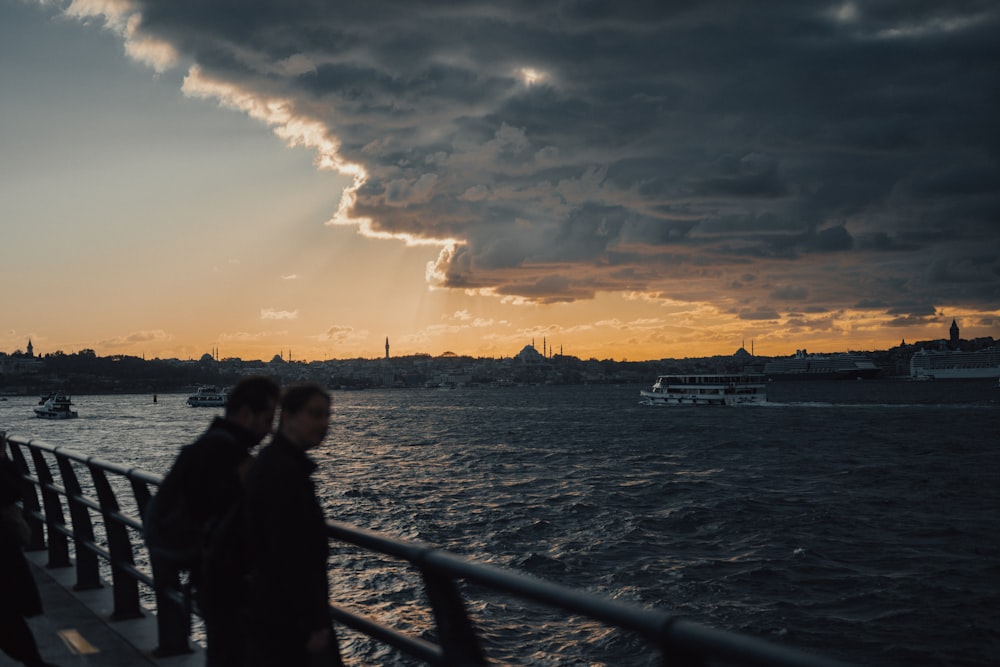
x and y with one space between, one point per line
252 404
305 414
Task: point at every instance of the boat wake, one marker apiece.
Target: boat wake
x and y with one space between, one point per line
866 406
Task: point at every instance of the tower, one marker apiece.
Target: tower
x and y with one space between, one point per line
954 333
387 348
31 349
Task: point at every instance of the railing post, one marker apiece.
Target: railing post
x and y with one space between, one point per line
125 588
673 655
87 573
173 616
456 634
31 507
58 542
140 491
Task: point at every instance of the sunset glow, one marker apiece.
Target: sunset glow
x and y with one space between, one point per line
173 185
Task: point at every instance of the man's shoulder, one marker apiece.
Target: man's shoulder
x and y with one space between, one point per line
223 436
213 449
276 460
273 452
220 430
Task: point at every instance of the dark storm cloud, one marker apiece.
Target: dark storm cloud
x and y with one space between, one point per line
573 147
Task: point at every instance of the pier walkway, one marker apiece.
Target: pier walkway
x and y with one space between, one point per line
76 628
105 604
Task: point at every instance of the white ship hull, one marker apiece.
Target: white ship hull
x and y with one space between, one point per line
804 366
55 414
55 406
957 373
955 365
208 397
722 390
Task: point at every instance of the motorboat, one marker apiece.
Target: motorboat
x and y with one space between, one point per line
207 397
712 389
55 405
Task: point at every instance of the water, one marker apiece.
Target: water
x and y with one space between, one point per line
854 520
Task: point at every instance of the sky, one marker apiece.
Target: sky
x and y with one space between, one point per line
614 180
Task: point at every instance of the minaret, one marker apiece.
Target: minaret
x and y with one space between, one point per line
387 348
953 331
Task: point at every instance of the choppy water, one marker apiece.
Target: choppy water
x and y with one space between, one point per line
859 521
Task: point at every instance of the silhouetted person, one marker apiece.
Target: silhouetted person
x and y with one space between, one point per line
19 598
205 484
289 620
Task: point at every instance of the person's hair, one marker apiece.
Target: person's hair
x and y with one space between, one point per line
255 392
296 396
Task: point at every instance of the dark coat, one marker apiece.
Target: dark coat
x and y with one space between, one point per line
202 491
19 595
206 472
287 542
203 484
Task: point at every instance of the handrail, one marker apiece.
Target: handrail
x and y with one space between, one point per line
122 533
678 641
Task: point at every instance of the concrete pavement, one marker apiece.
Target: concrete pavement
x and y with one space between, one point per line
76 628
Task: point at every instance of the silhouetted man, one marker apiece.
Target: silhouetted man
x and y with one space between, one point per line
204 485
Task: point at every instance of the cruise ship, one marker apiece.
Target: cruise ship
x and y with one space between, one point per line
805 366
955 364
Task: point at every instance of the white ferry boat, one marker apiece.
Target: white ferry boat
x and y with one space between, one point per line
55 406
741 389
955 364
207 397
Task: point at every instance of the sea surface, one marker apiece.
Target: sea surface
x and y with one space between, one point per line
856 520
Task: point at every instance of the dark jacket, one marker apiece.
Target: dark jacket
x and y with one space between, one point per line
288 547
203 483
18 592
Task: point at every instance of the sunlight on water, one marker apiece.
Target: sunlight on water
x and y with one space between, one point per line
829 519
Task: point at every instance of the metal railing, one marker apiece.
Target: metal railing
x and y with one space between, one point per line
118 542
457 639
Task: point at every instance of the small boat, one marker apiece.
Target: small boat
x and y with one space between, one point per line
741 389
55 406
207 397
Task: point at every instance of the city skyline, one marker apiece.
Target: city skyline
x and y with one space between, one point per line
627 184
548 351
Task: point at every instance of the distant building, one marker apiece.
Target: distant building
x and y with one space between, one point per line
953 331
529 354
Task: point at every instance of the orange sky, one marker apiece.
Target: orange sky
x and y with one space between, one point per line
161 203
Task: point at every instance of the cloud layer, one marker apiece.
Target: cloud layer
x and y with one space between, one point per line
794 157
